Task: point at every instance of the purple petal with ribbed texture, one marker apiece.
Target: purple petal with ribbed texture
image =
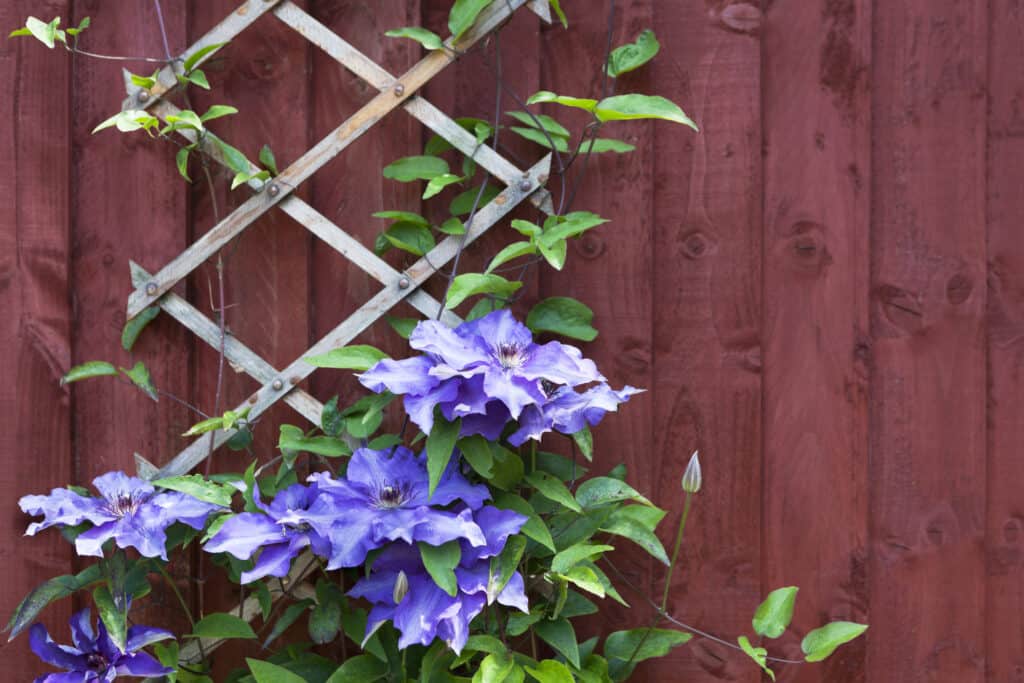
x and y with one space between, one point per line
497 526
91 542
141 636
351 538
514 391
498 328
115 485
453 349
408 376
242 534
434 527
53 654
141 665
274 560
63 507
490 425
420 407
560 364
181 507
533 424
82 634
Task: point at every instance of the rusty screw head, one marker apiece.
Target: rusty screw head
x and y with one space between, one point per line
404 283
143 96
151 289
274 189
277 385
399 90
525 185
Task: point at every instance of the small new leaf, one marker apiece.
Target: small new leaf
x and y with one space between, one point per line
822 642
774 614
424 37
758 654
562 315
440 562
470 284
359 357
133 328
94 368
633 55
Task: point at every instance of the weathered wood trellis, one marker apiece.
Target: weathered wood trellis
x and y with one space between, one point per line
279 192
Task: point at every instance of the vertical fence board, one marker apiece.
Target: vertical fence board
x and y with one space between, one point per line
264 72
127 203
351 188
1005 515
817 121
707 316
927 480
35 343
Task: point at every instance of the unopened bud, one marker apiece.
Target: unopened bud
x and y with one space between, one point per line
691 477
401 587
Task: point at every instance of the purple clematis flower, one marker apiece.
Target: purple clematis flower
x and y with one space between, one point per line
384 497
129 510
425 611
489 371
282 531
568 411
95 657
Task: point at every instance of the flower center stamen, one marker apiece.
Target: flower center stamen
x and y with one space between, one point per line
96 662
391 496
126 503
510 356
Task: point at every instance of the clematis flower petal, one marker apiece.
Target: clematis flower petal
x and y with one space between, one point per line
115 485
56 655
497 525
460 352
141 636
434 527
420 407
499 328
242 534
408 376
560 364
91 542
63 507
81 629
181 507
274 560
142 665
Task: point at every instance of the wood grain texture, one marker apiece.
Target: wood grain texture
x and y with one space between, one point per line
128 202
1004 602
35 329
817 118
928 266
610 269
707 298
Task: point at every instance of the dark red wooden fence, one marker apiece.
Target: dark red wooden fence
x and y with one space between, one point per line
823 291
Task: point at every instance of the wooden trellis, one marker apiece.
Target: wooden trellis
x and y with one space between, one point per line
277 385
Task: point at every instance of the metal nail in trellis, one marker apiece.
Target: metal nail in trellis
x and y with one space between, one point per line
278 192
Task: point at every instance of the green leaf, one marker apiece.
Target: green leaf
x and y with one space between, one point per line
638 533
602 490
463 14
403 326
575 102
534 135
463 203
656 642
408 169
557 6
181 161
359 669
470 284
187 118
266 158
477 452
498 667
633 55
758 654
355 357
453 226
410 237
198 77
546 122
43 32
526 228
774 614
144 81
440 444
551 671
217 111
45 593
129 120
440 562
94 368
628 107
325 621
574 554
504 565
116 620
560 635
222 625
584 440
599 145
204 426
135 326
553 489
198 487
518 623
553 252
293 439
331 421
585 578
535 527
570 225
822 642
289 616
139 376
512 251
232 158
403 216
199 54
427 39
508 468
438 183
562 315
265 672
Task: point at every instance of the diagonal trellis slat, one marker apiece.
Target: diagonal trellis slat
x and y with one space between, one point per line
155 289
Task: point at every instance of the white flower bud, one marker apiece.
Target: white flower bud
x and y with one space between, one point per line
691 477
401 587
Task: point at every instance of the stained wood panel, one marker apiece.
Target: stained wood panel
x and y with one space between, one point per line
1005 325
928 266
817 117
127 203
35 328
